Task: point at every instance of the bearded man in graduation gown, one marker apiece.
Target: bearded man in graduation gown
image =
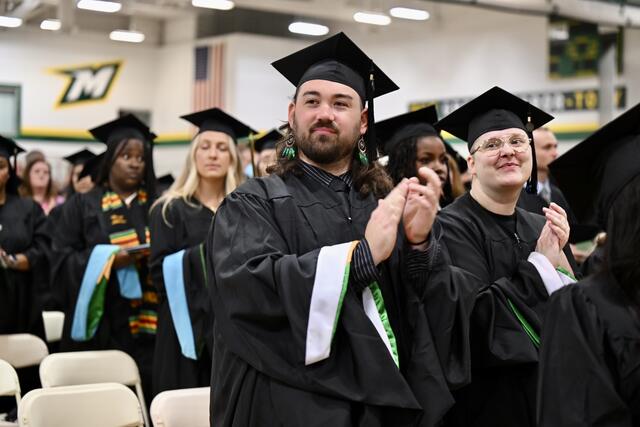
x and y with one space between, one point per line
318 297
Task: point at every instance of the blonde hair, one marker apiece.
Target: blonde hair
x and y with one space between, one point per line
186 185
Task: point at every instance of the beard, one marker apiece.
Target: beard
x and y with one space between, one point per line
326 148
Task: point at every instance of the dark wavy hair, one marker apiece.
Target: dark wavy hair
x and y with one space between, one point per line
622 248
371 179
402 159
114 148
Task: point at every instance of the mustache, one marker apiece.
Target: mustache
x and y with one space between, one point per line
330 125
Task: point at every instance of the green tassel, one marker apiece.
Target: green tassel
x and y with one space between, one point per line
289 153
363 158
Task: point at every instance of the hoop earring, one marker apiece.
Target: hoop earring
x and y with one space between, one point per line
289 151
362 152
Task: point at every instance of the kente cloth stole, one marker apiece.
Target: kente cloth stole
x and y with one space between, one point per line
128 228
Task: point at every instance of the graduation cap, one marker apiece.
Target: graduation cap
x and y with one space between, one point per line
496 109
164 182
215 119
125 127
340 60
267 140
9 148
79 157
397 129
92 167
593 172
392 131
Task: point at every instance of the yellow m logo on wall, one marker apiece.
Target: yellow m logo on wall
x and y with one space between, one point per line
88 83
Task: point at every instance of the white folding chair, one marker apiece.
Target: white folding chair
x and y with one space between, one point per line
89 367
22 350
9 386
179 408
53 322
95 405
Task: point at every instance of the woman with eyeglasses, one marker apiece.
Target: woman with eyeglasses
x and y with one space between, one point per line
503 262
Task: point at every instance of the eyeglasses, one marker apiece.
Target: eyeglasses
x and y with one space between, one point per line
492 146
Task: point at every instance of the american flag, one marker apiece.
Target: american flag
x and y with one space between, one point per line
209 80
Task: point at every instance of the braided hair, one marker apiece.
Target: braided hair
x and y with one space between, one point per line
402 149
115 145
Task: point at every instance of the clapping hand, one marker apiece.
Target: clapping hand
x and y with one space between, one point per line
422 206
382 229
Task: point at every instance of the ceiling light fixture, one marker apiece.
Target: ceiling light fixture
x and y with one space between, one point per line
214 4
408 13
371 18
308 29
127 36
100 6
50 25
10 22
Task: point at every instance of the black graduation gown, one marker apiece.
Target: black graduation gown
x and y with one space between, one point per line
22 230
81 226
594 263
263 250
188 230
56 290
590 357
488 261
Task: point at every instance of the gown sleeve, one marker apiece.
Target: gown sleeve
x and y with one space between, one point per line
71 249
37 250
577 381
164 241
505 313
39 262
167 237
446 297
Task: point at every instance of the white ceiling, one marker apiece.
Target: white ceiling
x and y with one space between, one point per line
73 19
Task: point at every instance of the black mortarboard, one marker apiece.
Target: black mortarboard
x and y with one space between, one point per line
593 172
92 167
217 120
164 182
404 126
79 157
125 127
267 140
340 60
9 148
496 109
421 122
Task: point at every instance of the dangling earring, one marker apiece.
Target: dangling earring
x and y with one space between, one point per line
289 150
362 152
